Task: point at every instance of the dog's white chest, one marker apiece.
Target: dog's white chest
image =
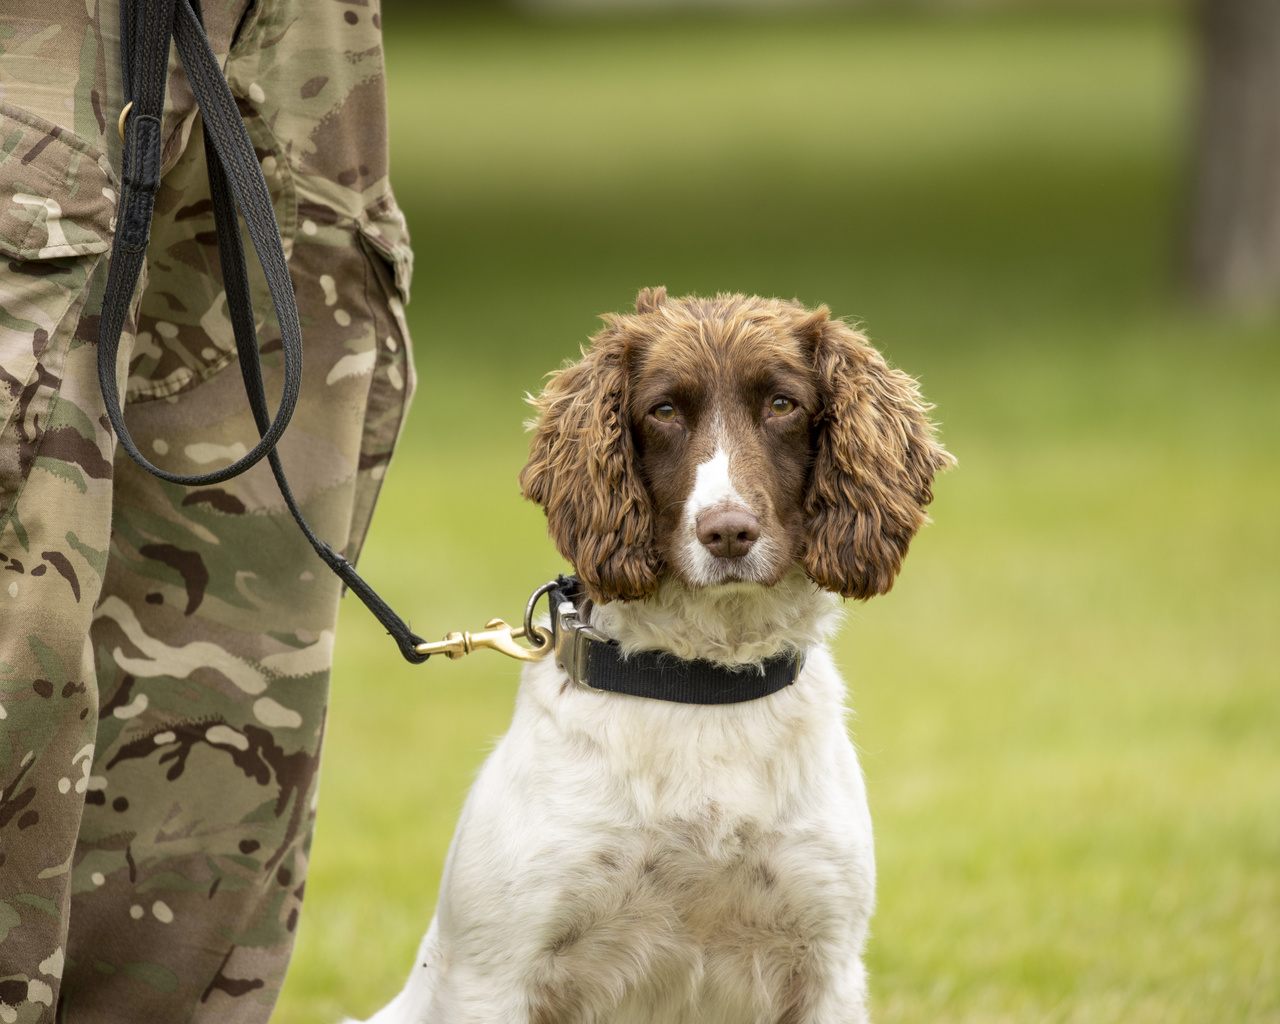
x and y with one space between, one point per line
706 919
631 861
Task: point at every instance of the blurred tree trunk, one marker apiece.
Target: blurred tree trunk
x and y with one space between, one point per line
1233 248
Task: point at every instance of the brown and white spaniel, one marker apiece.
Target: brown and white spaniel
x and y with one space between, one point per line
716 470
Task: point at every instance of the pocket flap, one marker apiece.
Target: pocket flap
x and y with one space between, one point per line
57 193
384 227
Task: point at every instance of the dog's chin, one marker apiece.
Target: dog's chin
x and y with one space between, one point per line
732 622
730 580
698 570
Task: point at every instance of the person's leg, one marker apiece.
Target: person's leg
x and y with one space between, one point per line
55 490
215 628
57 192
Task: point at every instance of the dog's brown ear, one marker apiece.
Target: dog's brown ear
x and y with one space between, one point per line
582 471
651 299
876 456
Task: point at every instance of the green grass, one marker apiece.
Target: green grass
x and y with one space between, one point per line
1068 707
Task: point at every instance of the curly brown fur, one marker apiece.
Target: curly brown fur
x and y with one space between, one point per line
840 485
582 470
875 460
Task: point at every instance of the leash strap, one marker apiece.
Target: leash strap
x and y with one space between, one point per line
234 179
594 661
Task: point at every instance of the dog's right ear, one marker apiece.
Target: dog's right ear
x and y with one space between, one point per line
582 470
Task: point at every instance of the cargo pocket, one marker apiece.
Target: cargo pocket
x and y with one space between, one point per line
385 239
57 207
384 233
58 192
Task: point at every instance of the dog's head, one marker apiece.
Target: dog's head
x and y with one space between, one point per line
726 440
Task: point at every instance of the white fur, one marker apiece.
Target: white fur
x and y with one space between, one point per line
732 624
627 860
714 487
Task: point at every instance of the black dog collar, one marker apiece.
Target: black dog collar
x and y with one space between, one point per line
596 662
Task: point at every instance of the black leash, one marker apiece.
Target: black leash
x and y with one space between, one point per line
235 178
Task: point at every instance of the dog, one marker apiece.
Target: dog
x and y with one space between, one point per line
719 472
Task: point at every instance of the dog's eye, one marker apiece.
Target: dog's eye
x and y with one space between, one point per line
781 406
665 413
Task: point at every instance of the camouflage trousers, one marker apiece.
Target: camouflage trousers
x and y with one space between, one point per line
165 651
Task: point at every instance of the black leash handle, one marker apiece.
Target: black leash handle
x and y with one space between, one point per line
234 179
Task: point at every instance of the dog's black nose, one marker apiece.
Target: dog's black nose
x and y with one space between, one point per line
728 532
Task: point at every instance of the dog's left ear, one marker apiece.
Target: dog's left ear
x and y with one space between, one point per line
875 460
582 470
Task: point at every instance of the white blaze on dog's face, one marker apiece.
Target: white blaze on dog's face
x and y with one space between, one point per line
721 532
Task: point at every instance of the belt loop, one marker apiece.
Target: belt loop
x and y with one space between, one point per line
141 180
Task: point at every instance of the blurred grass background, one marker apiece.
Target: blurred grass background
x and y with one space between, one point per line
1068 707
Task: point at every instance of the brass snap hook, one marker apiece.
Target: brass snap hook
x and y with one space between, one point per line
496 636
124 114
